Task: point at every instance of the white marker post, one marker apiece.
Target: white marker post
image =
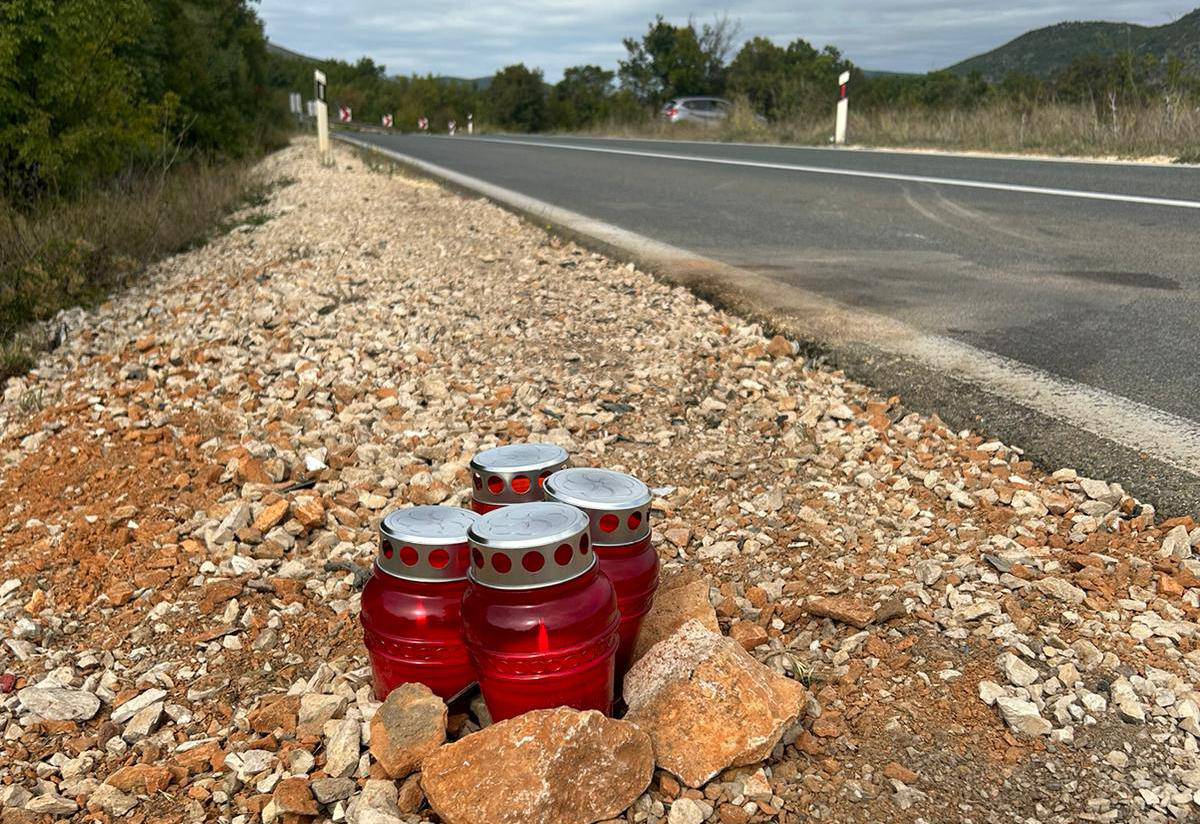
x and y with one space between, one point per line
322 117
843 108
470 123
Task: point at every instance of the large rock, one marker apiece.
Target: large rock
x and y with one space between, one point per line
707 704
58 703
136 704
140 778
679 599
408 726
376 804
844 610
341 747
560 765
1023 716
293 795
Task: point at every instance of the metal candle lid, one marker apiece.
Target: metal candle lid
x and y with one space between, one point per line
425 543
514 474
529 546
617 505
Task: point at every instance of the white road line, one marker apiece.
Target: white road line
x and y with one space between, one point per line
824 170
881 150
1154 432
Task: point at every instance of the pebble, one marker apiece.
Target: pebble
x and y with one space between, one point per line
688 811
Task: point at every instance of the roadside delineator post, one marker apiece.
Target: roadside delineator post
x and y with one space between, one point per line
322 116
470 123
843 107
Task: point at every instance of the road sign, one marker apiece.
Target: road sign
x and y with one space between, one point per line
843 107
423 123
387 121
344 114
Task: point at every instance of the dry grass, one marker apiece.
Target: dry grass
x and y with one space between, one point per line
1163 129
66 254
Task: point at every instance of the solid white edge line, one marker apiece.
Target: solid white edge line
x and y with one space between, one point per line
823 170
881 150
1134 425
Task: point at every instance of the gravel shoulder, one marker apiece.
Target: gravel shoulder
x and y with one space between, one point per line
190 488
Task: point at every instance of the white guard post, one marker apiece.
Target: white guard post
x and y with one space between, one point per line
843 107
322 116
470 123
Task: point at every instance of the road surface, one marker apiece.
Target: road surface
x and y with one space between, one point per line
1070 291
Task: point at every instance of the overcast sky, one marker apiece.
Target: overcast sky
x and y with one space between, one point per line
475 39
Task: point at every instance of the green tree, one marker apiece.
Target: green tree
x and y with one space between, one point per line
69 94
211 56
516 99
781 82
581 98
672 61
90 88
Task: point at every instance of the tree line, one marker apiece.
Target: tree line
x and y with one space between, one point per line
777 81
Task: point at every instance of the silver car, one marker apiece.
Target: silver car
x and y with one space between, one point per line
707 110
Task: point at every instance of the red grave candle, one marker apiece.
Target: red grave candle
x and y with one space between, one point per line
513 474
539 618
411 606
618 510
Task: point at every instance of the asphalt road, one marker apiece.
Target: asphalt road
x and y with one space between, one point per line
1084 272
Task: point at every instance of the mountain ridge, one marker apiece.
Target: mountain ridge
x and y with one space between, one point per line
1045 51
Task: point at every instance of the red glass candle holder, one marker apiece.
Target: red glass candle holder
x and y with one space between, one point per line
618 511
539 618
513 474
411 606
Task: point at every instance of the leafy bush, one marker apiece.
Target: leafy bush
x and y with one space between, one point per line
92 88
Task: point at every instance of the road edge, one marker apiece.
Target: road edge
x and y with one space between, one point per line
877 351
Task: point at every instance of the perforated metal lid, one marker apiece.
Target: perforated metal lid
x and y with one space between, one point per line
514 474
426 543
529 546
617 505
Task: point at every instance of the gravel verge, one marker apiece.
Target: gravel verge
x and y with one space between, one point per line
191 485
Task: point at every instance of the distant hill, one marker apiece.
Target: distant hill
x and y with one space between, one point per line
1042 52
275 48
887 73
480 83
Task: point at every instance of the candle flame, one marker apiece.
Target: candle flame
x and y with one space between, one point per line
543 638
